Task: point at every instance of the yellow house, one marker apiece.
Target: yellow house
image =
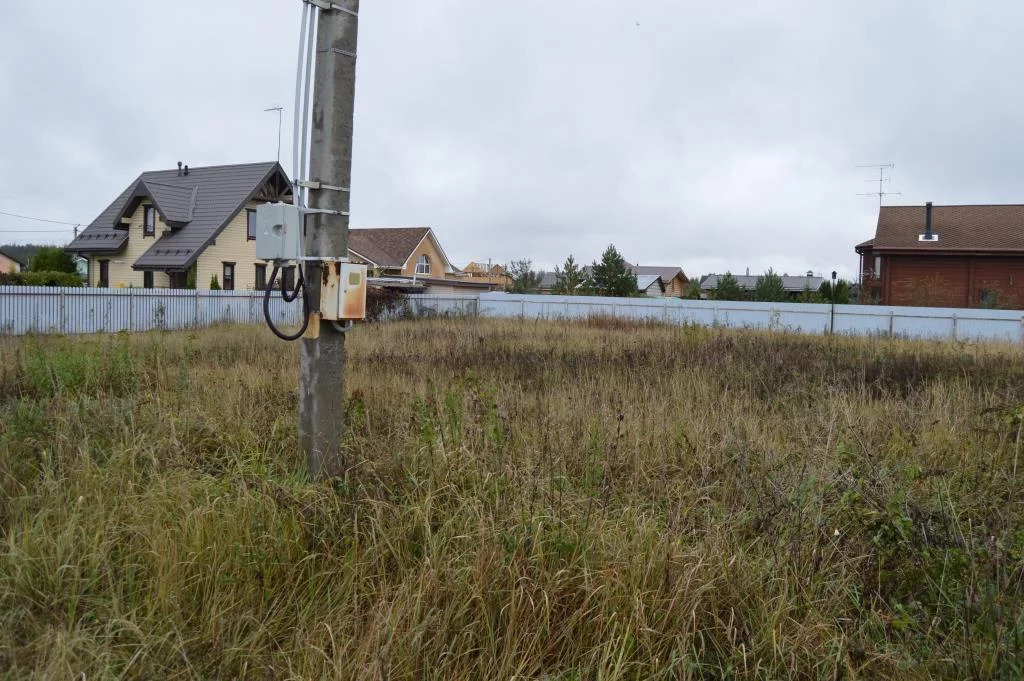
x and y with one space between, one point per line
9 264
175 228
412 252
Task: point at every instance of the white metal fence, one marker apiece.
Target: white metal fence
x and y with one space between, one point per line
857 320
40 309
30 309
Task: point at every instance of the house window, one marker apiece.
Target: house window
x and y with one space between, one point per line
261 277
250 217
878 266
149 221
147 279
229 276
104 281
423 265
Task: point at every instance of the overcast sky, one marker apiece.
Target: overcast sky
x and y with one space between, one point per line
710 135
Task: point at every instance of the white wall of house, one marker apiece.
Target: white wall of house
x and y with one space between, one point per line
232 245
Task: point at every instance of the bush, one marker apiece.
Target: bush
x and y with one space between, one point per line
214 284
40 279
384 303
52 259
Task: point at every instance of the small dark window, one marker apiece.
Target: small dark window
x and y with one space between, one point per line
229 276
288 278
104 281
250 216
149 221
147 279
261 277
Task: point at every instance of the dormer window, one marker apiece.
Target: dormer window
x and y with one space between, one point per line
149 221
423 265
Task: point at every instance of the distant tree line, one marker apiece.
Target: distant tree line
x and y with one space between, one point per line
769 288
609 276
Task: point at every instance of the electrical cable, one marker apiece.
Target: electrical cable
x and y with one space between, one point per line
299 168
299 287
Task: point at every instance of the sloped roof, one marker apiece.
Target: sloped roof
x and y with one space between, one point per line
959 228
666 273
10 256
387 247
202 203
646 281
749 282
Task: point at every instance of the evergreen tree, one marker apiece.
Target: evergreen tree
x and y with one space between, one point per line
571 279
769 288
613 276
524 279
214 284
840 295
727 288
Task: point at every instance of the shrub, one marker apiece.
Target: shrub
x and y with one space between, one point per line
384 303
769 288
214 284
52 259
40 279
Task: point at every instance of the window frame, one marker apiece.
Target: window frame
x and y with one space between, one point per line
103 279
148 228
423 264
261 277
250 224
227 282
147 279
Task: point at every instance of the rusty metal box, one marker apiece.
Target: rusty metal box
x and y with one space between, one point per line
343 291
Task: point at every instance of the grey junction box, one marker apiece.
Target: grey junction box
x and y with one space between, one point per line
278 231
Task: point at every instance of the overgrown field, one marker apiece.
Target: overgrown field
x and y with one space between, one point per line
522 501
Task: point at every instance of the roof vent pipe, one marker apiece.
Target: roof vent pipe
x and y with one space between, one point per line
928 235
179 167
186 170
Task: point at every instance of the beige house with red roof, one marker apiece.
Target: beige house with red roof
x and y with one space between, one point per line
400 251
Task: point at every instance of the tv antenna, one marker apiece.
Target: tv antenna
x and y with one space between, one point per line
882 179
278 109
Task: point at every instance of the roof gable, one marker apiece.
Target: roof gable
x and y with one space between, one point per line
391 247
959 228
201 203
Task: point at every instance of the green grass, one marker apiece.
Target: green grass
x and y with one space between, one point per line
521 501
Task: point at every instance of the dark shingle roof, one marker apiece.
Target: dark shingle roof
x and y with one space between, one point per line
666 273
386 246
202 203
959 228
748 282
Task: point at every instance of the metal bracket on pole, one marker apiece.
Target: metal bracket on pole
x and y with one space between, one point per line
335 50
325 211
313 184
325 5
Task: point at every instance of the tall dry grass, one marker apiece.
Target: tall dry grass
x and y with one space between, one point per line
522 500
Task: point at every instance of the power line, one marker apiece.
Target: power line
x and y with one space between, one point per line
33 230
29 217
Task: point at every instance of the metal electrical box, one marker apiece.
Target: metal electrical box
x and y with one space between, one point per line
343 291
278 231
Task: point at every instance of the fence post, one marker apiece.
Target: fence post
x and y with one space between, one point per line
892 316
63 306
954 326
195 308
131 309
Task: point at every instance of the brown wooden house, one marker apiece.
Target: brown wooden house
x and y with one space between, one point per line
945 256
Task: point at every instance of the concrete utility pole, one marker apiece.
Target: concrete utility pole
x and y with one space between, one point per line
322 368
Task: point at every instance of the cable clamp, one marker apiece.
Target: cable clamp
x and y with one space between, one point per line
326 211
313 184
335 50
325 5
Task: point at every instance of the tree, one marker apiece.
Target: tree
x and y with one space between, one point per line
524 279
727 288
769 288
613 276
570 279
840 296
692 290
52 259
214 284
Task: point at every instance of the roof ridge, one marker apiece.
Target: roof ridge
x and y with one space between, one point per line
221 165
